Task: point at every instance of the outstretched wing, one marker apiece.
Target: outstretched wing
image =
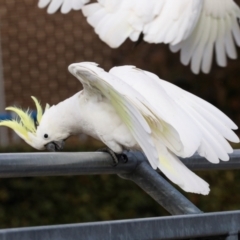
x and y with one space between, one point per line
124 99
214 125
65 5
142 122
217 28
200 126
173 21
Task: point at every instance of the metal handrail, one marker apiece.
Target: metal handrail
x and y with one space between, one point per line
133 166
86 163
224 225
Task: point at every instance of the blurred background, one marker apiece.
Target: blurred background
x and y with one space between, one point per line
36 49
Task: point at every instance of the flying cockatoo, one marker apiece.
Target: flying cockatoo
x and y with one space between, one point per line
128 108
193 27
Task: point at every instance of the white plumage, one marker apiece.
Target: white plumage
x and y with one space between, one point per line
194 27
65 5
129 108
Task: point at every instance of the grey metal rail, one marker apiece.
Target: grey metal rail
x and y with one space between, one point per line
197 162
86 163
132 166
225 225
60 164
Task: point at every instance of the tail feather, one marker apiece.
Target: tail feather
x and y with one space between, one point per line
179 174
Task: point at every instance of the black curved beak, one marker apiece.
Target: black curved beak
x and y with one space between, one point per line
55 146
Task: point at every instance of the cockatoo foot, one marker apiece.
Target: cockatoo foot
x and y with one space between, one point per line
112 153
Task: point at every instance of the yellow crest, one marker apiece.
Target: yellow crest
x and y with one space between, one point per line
25 123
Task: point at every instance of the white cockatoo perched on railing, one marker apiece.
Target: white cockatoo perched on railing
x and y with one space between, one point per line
193 27
128 108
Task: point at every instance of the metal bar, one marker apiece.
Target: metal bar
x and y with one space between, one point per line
60 164
78 163
173 227
197 162
158 188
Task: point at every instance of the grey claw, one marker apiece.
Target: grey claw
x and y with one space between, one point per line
112 153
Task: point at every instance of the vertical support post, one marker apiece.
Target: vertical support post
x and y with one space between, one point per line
158 188
3 131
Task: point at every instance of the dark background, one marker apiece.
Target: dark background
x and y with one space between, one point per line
36 50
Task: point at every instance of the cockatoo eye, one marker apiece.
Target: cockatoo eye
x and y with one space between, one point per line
45 135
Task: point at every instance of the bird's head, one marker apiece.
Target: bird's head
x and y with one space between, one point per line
47 132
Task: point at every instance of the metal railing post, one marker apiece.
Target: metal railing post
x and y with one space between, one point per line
157 187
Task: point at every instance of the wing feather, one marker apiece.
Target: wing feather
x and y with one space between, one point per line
208 51
165 109
110 21
78 4
54 6
173 21
217 25
167 138
200 125
175 170
182 114
65 5
177 94
210 135
43 3
229 42
214 125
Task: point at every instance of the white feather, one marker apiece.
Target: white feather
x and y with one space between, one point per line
214 125
173 22
163 106
65 5
43 3
175 170
186 113
217 26
109 21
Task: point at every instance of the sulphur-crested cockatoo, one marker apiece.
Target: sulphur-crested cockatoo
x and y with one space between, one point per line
128 108
193 27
